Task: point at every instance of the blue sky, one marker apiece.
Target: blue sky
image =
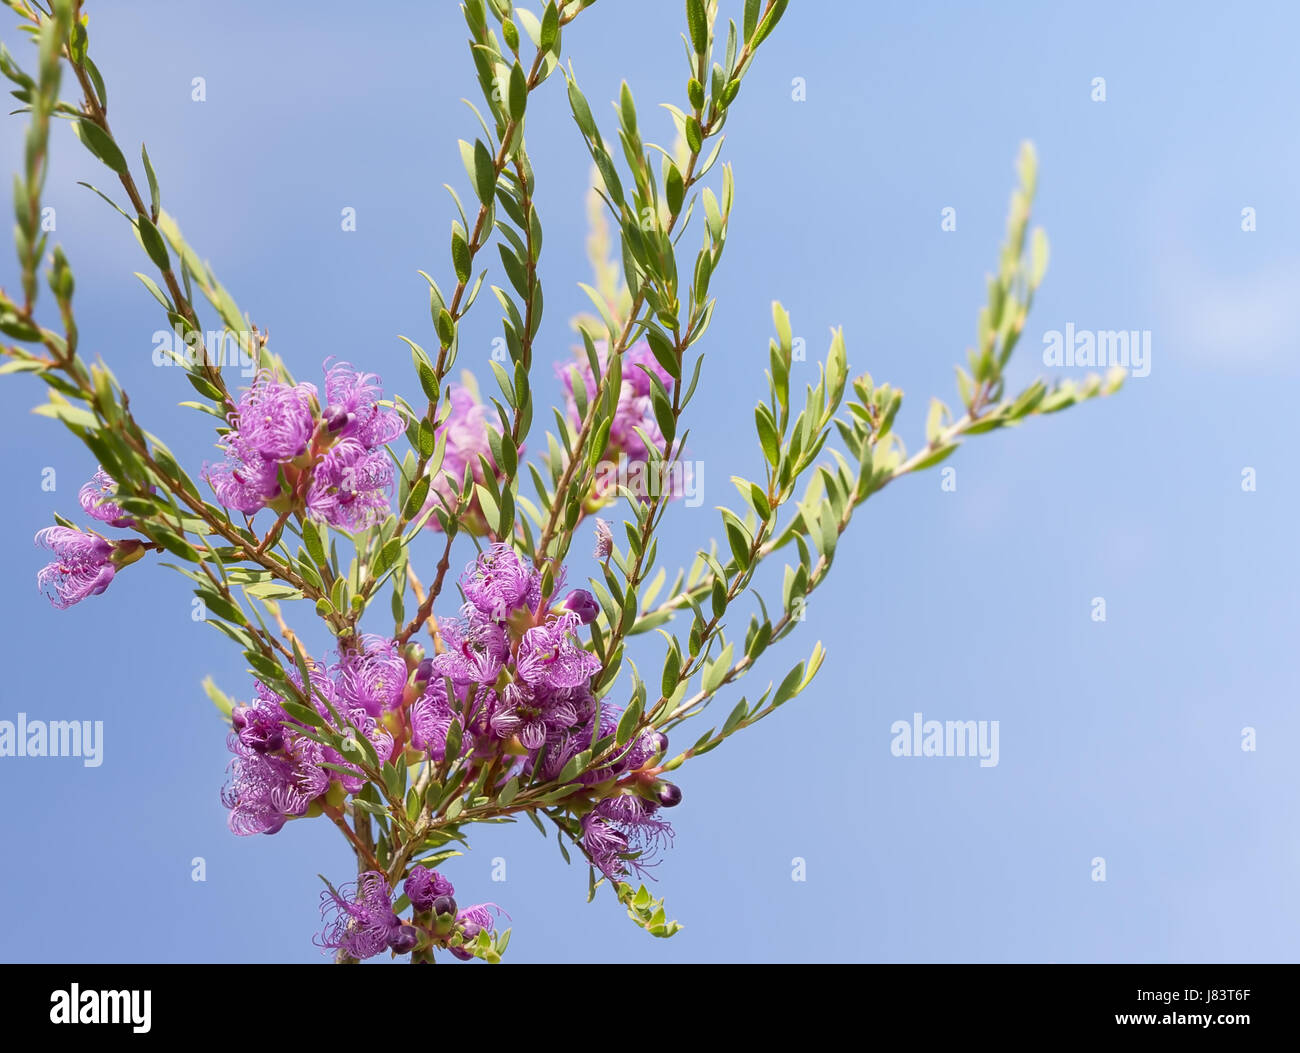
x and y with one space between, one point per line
1119 739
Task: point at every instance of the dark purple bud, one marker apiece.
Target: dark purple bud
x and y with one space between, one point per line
404 939
444 915
336 419
583 604
424 672
256 730
670 795
658 742
469 932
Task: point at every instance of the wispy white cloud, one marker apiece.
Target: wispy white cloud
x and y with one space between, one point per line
1247 321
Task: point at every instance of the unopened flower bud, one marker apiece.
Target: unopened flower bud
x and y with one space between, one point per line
423 673
404 939
335 418
413 653
670 795
583 604
469 933
444 915
336 794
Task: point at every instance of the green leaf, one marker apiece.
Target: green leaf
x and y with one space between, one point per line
71 415
627 722
663 412
717 671
735 717
426 439
415 500
518 92
303 714
941 453
675 189
789 686
646 911
767 434
388 554
461 259
313 537
694 138
576 764
672 670
698 24
581 111
665 354
154 197
153 243
769 21
508 792
1039 256
550 27
273 591
179 547
446 332
218 697
485 174
428 381
627 109
100 143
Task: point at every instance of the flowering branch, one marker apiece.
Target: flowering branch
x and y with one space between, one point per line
508 714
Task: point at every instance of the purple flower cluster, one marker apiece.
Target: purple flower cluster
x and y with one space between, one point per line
97 500
433 896
622 833
83 565
634 410
284 451
520 683
512 676
361 922
278 773
423 887
84 562
513 660
465 432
